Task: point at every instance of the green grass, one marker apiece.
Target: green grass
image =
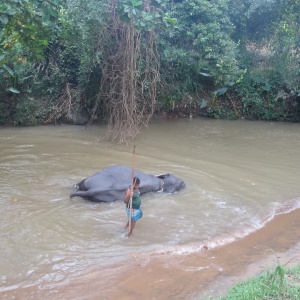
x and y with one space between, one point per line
275 284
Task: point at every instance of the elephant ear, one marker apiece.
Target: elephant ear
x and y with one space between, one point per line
162 176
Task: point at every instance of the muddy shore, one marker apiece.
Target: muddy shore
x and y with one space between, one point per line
211 272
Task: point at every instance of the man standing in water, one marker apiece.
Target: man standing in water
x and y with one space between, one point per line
136 211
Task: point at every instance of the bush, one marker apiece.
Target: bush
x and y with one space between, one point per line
27 113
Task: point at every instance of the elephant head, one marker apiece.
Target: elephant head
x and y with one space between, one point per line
171 184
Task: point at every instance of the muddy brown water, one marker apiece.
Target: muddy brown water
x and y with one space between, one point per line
240 177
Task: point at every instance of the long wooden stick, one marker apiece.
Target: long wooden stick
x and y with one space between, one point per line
132 183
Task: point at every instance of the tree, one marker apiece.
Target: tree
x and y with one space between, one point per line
198 54
266 32
24 28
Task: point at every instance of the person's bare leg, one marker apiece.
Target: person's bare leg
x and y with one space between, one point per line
126 224
131 228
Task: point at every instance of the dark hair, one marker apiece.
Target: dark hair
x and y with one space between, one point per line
136 180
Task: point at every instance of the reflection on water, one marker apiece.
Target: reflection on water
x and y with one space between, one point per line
238 175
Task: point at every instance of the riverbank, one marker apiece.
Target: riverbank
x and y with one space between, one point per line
212 272
198 276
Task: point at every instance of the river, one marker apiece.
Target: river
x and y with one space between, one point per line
238 175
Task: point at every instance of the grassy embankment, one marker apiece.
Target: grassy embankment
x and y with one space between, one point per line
277 284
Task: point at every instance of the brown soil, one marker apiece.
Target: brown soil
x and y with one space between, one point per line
211 272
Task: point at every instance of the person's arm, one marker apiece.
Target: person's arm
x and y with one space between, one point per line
128 195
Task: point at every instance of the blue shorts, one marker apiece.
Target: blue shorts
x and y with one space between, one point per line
136 214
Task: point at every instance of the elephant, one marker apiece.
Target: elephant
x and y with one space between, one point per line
109 185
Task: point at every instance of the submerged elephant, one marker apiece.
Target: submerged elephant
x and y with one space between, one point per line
110 184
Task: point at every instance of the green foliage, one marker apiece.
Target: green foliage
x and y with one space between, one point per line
268 32
253 19
197 54
280 283
25 27
229 58
149 15
54 57
287 46
4 111
262 99
27 113
79 49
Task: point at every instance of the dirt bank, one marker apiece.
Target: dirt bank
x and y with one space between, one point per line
211 272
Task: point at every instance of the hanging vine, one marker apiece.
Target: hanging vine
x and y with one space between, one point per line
130 71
